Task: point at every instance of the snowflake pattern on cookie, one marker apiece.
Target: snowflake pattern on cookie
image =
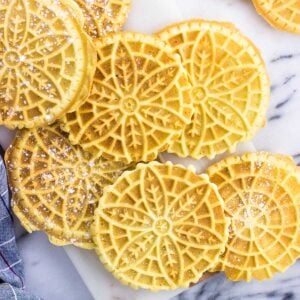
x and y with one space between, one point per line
261 192
46 63
230 87
56 186
160 227
139 101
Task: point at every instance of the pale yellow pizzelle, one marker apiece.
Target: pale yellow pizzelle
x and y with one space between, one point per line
261 192
139 100
46 62
160 227
56 186
230 87
103 16
281 14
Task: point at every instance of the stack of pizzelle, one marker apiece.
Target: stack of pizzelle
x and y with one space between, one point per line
195 89
47 61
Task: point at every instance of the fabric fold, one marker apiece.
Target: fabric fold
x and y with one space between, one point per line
11 265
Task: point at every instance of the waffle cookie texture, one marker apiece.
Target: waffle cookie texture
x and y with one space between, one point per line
47 62
56 186
281 14
139 100
230 88
160 227
103 16
94 107
261 192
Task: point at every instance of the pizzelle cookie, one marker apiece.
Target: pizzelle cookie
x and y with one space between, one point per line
230 86
261 192
46 62
160 227
56 186
139 100
282 14
103 16
74 10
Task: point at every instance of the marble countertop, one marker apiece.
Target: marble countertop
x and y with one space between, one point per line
49 272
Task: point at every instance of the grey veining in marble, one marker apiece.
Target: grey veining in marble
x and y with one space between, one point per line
281 52
284 286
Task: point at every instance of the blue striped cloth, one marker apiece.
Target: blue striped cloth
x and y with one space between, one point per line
11 266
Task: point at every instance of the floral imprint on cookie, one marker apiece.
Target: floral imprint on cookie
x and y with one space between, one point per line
261 192
229 87
43 60
160 227
56 186
139 101
103 16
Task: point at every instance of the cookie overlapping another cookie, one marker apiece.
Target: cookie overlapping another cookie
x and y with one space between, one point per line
160 227
47 62
139 100
230 87
56 186
261 192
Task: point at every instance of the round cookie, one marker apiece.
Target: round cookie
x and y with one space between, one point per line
282 14
139 100
56 186
46 62
261 192
160 227
230 88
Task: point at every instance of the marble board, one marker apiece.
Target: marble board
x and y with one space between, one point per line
147 17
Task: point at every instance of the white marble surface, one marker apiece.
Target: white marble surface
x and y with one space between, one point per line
49 271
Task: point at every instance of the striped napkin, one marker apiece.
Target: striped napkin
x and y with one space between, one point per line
11 266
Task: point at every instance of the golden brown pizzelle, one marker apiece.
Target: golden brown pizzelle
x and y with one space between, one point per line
160 227
261 192
56 186
139 100
47 62
230 87
281 14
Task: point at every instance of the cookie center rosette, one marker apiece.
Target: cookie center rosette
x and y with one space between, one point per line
197 88
261 195
230 89
46 62
138 103
160 227
56 186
